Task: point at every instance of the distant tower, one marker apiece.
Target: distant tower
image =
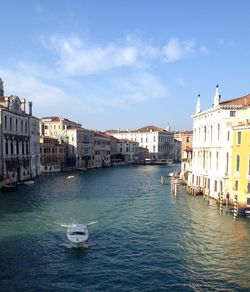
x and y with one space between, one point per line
1 88
198 105
168 127
216 96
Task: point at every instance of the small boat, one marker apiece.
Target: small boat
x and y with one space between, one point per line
77 234
247 212
70 176
9 187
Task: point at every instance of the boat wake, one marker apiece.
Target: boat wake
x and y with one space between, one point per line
70 224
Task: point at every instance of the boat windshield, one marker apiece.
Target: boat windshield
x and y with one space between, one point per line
77 233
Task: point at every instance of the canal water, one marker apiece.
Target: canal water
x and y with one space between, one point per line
144 238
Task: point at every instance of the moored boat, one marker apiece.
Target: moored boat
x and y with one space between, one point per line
247 212
9 187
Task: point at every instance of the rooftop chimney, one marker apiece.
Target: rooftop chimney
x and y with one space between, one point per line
30 108
1 88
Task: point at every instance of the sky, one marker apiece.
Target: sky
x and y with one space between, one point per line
124 64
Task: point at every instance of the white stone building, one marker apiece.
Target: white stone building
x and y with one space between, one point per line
19 146
212 134
159 142
129 149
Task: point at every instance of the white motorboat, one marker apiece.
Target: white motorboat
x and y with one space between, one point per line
28 182
77 234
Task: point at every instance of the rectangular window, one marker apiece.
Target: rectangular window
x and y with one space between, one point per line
208 184
239 138
6 147
248 201
232 113
248 187
236 185
237 162
215 185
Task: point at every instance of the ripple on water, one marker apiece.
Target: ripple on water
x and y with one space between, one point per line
145 238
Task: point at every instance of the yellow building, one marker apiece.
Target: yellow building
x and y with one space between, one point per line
240 176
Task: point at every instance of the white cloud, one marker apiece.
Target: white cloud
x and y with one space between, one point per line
175 49
76 58
47 99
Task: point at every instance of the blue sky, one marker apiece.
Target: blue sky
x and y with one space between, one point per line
124 63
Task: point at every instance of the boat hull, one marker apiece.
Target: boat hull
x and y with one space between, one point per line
78 234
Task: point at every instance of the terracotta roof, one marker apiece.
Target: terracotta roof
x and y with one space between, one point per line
101 134
2 98
57 119
240 101
149 128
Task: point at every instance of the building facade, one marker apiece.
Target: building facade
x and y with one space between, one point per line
20 152
101 149
212 136
53 154
56 127
186 138
240 172
129 149
159 142
81 146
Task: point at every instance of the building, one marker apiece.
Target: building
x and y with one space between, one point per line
101 149
159 142
212 136
19 146
56 127
80 146
240 172
177 151
53 154
80 142
129 149
143 154
186 138
34 143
